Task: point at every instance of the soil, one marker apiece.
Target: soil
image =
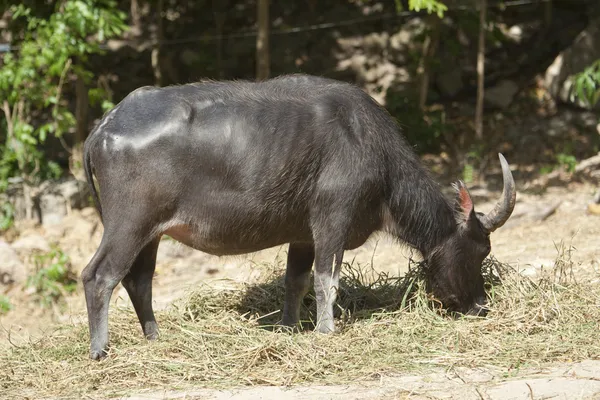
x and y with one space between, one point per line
526 242
575 381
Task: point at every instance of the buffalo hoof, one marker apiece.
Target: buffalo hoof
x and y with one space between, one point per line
97 354
326 328
150 330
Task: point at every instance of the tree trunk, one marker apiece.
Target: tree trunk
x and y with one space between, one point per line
480 70
429 48
158 78
262 40
220 22
81 110
81 128
8 114
136 18
28 200
548 14
218 7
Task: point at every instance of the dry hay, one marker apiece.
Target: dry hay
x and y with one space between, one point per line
224 338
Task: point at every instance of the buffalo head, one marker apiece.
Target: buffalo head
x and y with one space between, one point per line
454 266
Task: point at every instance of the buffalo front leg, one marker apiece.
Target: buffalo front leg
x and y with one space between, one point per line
138 283
327 278
297 280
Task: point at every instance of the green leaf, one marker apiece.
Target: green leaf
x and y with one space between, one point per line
586 85
32 76
51 100
432 6
107 105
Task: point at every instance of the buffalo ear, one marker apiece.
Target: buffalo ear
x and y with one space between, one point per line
465 211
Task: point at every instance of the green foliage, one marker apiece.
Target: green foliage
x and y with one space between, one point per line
5 305
563 160
53 278
97 96
432 6
7 216
32 79
568 161
472 159
468 173
546 169
586 85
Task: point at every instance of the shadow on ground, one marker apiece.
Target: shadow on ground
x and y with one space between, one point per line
363 294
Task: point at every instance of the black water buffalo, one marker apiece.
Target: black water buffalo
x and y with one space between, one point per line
235 167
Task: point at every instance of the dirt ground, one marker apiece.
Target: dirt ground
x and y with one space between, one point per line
526 242
576 381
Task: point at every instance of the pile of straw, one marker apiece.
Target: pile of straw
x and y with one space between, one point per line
226 338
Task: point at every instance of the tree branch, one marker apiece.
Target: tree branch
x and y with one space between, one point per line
480 70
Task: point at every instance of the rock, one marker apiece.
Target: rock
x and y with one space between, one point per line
58 200
574 59
55 233
355 63
12 270
75 229
53 209
82 228
381 71
89 212
376 42
501 95
75 192
80 238
14 196
349 43
33 242
52 201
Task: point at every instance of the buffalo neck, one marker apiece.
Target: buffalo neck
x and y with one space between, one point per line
421 215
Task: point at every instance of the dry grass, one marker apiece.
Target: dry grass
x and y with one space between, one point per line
223 338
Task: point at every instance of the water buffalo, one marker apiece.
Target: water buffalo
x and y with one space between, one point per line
235 167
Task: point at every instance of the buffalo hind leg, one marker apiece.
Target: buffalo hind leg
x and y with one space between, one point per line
138 283
297 280
108 267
